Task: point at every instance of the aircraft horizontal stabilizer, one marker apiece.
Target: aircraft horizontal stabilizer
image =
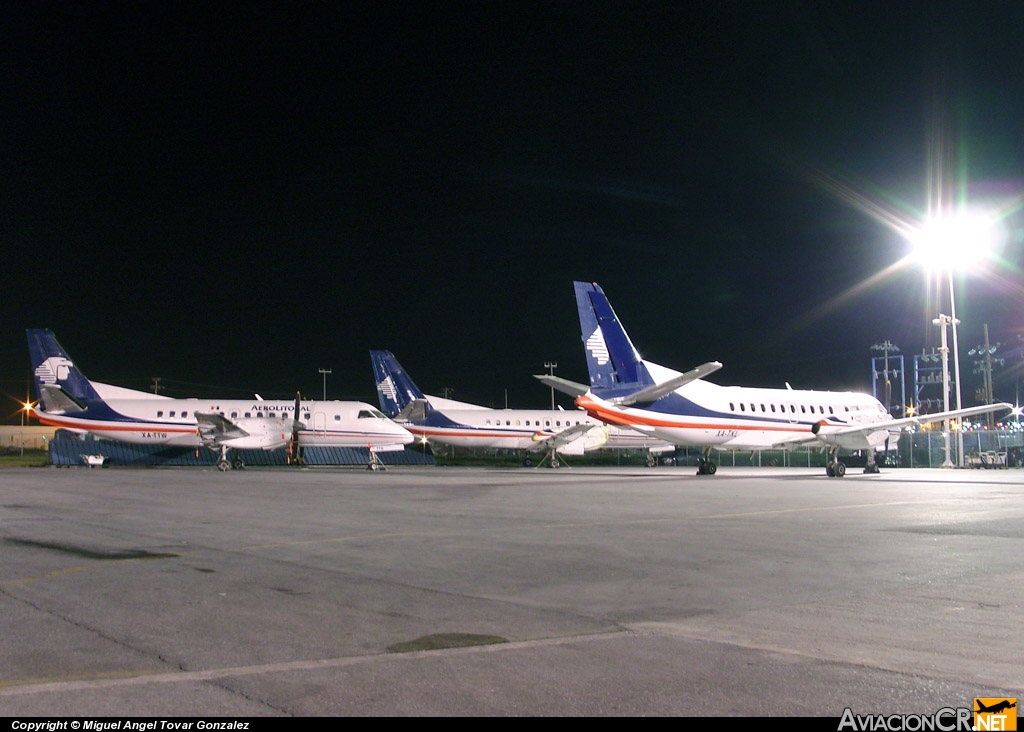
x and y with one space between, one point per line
416 410
653 393
572 388
57 401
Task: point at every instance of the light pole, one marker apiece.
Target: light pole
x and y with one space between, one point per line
948 243
956 373
551 366
325 372
943 321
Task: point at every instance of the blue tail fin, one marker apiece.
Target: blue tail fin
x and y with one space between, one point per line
611 358
395 390
54 371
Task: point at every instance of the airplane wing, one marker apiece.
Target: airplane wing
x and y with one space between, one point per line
851 436
215 428
572 388
216 431
921 419
653 393
560 439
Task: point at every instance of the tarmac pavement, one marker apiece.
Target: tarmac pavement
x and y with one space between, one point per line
451 591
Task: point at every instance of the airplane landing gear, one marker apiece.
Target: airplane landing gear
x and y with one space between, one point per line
551 458
834 468
223 463
872 465
705 465
375 462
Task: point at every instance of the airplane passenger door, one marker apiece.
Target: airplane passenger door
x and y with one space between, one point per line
319 424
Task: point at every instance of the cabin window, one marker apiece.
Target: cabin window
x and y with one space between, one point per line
830 411
171 414
517 423
160 413
234 415
337 417
803 409
743 407
248 415
305 415
547 422
732 407
773 408
259 415
763 409
184 414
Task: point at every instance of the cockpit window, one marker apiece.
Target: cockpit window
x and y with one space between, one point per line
371 414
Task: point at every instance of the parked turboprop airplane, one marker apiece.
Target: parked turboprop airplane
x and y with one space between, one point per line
687 410
447 422
67 399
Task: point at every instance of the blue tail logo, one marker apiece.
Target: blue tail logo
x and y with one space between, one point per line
395 390
611 358
53 369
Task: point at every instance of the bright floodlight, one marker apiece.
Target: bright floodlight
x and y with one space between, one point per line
954 243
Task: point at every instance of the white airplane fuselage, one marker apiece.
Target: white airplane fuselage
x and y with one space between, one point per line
708 415
523 429
163 421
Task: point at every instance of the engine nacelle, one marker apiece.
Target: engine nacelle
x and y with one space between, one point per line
852 440
264 434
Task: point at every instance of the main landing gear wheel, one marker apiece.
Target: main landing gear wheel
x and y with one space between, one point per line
706 467
835 469
223 465
238 463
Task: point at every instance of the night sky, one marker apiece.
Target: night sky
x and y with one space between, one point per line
231 197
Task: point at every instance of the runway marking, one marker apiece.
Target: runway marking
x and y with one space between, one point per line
101 681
